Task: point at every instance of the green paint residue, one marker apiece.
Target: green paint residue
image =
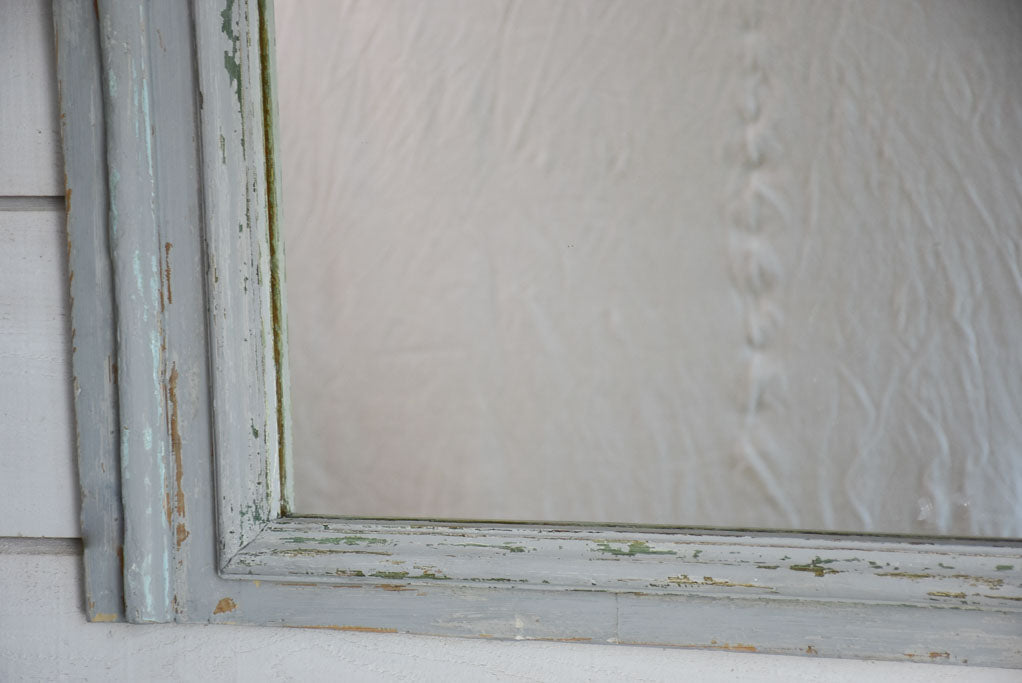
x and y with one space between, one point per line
634 548
255 432
226 27
390 575
430 575
944 566
1004 567
815 567
231 63
907 575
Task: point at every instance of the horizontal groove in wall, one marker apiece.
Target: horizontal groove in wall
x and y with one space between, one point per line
37 203
15 545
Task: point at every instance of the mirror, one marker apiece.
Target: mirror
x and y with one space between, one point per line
691 263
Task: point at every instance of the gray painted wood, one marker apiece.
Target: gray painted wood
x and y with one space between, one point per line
238 277
755 565
136 253
236 559
278 279
94 360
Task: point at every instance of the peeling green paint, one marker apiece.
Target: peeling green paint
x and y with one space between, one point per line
390 575
634 548
1004 567
231 63
815 567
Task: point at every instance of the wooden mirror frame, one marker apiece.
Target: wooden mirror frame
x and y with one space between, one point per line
180 384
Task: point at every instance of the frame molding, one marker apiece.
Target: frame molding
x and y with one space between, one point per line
182 434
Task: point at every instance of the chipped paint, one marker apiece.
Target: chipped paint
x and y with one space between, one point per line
684 580
166 271
815 567
390 575
181 534
225 605
104 617
175 440
231 59
633 548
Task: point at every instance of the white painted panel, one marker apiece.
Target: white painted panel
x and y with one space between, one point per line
707 263
30 159
38 487
44 636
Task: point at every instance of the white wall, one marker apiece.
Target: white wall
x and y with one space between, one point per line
38 487
43 633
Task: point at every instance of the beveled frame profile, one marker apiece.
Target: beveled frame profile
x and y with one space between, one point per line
182 434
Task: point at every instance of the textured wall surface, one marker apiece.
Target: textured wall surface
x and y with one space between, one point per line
38 482
708 263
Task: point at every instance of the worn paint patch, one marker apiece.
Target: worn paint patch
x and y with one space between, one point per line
104 617
947 594
166 271
390 575
684 580
633 548
907 575
817 567
225 605
231 63
175 439
181 534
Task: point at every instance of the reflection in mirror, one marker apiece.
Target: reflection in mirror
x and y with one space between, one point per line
691 263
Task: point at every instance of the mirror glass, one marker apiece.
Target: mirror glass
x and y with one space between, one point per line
693 263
